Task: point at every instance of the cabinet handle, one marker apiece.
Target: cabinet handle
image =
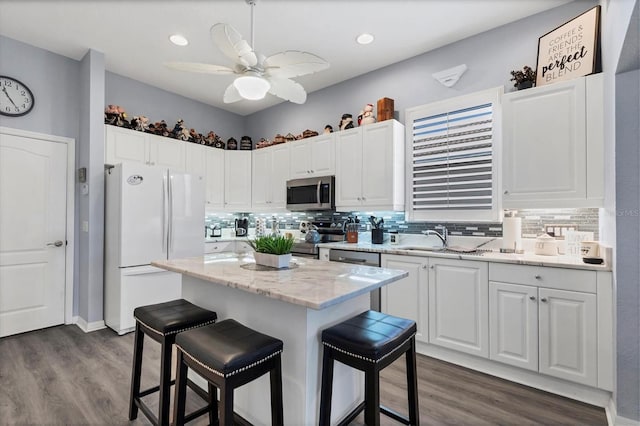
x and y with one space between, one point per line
424 266
312 171
544 299
363 199
532 297
506 192
358 198
538 277
432 267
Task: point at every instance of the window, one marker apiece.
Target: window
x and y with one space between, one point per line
452 152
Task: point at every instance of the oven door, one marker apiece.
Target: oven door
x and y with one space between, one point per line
311 194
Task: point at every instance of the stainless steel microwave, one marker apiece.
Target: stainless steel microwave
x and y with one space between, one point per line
311 193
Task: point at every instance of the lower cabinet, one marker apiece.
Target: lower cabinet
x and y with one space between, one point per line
459 305
547 330
408 297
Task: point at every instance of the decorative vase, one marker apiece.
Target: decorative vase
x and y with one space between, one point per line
273 260
527 84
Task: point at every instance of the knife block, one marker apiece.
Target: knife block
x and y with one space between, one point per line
377 236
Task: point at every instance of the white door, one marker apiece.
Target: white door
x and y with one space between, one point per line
322 151
261 172
300 166
377 164
349 168
280 157
166 152
186 228
237 181
33 192
122 145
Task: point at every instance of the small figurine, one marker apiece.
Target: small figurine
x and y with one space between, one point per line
328 129
116 116
210 139
278 139
159 128
263 143
246 144
232 144
218 142
346 122
140 123
289 137
194 136
183 135
309 134
366 116
177 129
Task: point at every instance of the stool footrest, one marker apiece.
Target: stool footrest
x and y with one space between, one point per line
352 415
394 415
147 412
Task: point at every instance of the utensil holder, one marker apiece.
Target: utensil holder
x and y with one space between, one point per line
377 236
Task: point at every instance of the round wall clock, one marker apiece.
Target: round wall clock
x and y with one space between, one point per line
15 98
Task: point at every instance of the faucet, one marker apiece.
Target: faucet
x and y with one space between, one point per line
443 236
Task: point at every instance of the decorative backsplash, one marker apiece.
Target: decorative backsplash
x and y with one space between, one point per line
534 221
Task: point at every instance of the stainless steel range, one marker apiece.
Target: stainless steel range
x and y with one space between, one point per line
329 232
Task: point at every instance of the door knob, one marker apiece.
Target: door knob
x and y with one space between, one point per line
532 297
56 243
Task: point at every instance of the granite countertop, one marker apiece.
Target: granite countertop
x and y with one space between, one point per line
312 283
560 261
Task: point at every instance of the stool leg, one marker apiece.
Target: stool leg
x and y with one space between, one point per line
165 383
277 418
412 384
372 396
136 371
226 402
326 389
213 405
180 392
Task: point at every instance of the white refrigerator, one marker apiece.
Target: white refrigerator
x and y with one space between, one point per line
151 213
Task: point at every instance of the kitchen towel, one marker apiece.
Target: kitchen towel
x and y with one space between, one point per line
512 233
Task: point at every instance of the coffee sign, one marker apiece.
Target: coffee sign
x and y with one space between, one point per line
571 50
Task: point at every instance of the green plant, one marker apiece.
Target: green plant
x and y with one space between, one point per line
527 74
272 244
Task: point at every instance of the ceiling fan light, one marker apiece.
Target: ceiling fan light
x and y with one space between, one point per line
365 38
178 40
252 87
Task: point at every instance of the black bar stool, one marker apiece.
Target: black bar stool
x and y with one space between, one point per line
370 342
162 322
228 355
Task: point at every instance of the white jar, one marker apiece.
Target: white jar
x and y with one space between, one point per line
394 237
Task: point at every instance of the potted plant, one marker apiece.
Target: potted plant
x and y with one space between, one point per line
524 79
272 250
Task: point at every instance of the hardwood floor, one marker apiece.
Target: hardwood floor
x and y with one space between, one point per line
61 375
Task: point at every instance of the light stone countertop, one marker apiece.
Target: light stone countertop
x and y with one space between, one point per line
560 261
314 283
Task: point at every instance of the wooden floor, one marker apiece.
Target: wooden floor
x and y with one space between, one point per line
61 375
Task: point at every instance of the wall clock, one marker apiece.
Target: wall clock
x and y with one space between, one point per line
15 98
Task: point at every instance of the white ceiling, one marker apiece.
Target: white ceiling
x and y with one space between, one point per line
133 35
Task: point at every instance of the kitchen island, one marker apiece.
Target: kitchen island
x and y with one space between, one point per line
294 305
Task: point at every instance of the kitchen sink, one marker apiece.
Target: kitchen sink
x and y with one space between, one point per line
452 249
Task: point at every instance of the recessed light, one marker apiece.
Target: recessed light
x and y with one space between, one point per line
178 40
364 38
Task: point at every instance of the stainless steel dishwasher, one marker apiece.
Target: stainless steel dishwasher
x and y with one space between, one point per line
359 258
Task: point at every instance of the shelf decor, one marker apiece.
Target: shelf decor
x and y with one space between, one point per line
572 50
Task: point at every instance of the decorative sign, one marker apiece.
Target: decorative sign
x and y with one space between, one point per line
573 240
571 50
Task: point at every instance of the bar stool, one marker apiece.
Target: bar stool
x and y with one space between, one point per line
370 342
162 322
228 355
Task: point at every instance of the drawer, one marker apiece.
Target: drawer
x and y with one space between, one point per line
540 276
218 247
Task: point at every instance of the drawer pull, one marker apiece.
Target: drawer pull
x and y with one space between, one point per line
544 299
538 277
532 297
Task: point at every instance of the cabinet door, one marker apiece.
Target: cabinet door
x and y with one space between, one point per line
261 178
122 145
544 146
280 157
166 152
195 161
322 155
408 297
459 305
237 181
513 324
568 335
377 164
349 168
215 176
299 167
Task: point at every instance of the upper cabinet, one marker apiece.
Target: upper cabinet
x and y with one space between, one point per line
124 145
553 145
237 181
268 190
207 162
370 167
312 157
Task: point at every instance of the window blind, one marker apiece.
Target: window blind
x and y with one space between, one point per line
453 160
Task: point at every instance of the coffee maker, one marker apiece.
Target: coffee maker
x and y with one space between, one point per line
242 227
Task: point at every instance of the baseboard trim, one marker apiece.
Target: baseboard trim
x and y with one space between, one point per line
89 327
611 412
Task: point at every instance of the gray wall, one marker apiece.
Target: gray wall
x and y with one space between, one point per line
141 99
489 56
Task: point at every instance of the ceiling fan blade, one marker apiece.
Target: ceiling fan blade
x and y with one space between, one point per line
293 63
231 43
231 95
197 67
288 90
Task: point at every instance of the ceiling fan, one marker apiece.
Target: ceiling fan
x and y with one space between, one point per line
256 74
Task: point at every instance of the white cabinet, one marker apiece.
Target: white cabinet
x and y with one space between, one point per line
237 181
218 246
553 145
324 254
459 305
125 145
408 297
269 178
550 330
312 157
370 167
195 159
208 162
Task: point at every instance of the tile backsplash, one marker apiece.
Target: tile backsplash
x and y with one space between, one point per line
534 221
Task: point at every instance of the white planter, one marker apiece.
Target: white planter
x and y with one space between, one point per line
273 260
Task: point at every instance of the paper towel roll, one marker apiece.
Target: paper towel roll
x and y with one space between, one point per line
512 233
